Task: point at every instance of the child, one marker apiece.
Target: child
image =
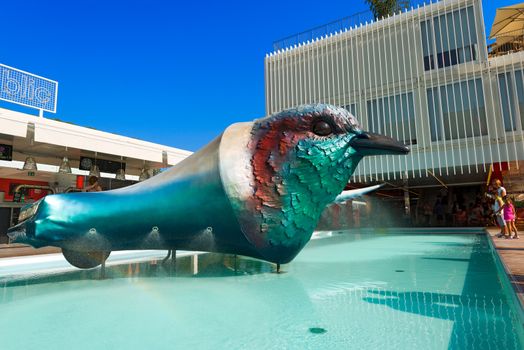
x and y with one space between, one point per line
509 218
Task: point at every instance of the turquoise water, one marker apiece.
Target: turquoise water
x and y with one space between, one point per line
358 291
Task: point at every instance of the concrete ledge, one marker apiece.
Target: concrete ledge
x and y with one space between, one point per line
509 254
412 230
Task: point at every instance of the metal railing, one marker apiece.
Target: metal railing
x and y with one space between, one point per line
336 26
34 187
323 30
72 189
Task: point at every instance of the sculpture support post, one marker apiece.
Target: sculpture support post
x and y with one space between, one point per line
407 205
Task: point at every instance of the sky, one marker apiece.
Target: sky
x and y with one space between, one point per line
162 71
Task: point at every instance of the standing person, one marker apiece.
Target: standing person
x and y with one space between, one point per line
427 214
476 214
498 206
509 217
93 185
454 210
485 211
438 210
461 217
501 191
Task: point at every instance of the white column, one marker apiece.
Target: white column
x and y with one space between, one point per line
267 83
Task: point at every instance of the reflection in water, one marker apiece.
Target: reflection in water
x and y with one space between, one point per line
479 321
231 303
197 265
193 266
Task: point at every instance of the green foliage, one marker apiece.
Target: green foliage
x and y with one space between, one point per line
519 204
384 8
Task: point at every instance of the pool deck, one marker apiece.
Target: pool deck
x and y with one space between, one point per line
511 253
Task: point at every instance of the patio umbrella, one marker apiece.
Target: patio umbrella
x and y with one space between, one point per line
508 21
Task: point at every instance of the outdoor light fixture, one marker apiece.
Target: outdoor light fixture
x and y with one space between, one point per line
120 174
95 171
144 175
65 168
29 164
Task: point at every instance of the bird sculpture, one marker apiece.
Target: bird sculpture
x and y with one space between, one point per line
257 190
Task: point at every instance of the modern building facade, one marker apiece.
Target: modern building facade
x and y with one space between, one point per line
423 76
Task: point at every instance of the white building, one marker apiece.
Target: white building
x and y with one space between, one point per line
423 76
46 142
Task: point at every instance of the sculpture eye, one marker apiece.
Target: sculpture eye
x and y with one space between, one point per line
322 128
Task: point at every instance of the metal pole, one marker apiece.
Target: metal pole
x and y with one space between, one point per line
407 205
103 270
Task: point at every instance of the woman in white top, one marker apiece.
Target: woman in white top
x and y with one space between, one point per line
501 191
497 207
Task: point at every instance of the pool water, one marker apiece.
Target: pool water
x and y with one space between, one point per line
358 291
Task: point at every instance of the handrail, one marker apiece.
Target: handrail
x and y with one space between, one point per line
337 26
72 189
322 30
34 187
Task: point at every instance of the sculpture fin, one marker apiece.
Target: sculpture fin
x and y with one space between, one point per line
351 194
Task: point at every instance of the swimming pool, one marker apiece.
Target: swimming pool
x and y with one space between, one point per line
350 290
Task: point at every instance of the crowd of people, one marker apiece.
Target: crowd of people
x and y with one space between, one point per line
493 208
471 206
476 213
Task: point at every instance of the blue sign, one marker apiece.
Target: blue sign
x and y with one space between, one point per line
27 89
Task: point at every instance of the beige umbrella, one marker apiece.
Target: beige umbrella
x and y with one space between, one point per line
508 21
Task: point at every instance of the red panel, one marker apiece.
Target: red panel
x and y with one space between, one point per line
7 184
80 182
498 169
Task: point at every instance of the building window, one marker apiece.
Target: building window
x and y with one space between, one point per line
449 39
520 93
393 116
511 88
457 111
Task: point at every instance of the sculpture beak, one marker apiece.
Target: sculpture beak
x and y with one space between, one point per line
371 144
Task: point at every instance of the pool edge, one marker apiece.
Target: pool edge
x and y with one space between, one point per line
508 282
